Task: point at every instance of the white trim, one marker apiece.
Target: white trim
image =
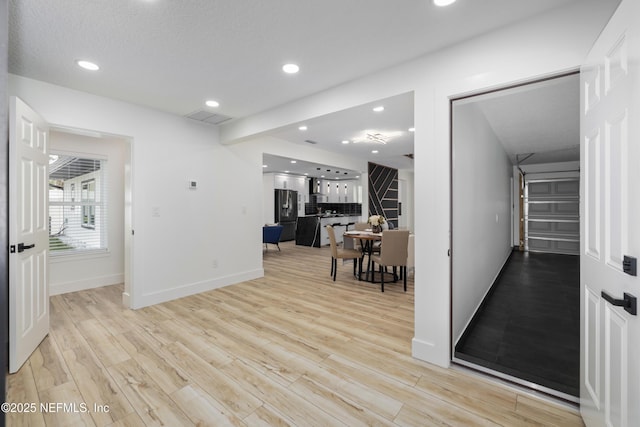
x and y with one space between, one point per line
71 255
126 299
195 288
428 352
81 285
484 297
83 154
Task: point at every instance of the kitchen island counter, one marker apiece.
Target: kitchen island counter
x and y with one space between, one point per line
311 230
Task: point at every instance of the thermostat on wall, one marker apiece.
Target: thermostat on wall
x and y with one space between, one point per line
193 185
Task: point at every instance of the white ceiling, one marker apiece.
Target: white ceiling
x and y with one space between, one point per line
174 55
327 132
536 123
539 122
279 164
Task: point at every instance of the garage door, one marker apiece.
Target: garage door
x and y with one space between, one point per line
552 221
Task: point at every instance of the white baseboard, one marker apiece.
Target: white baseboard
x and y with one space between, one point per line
193 288
126 299
429 352
484 296
81 285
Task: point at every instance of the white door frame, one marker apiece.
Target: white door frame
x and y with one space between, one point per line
452 338
128 201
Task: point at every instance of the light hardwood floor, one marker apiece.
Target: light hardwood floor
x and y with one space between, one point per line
292 348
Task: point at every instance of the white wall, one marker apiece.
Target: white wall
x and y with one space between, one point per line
406 178
186 241
268 200
77 272
550 44
481 211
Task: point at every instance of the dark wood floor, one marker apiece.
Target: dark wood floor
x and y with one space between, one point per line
529 324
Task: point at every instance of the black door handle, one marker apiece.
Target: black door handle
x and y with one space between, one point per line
629 302
22 247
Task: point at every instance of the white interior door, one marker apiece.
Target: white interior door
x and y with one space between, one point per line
28 232
609 214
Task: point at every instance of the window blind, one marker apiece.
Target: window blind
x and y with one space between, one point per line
77 204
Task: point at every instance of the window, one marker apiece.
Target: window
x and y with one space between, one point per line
77 204
88 203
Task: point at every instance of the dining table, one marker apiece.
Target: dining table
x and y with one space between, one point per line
367 240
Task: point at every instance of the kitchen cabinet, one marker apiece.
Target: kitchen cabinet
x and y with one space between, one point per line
290 182
334 192
325 188
342 191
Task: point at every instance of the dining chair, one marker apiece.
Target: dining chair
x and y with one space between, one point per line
359 226
393 253
341 253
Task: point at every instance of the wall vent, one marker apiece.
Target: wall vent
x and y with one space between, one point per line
208 117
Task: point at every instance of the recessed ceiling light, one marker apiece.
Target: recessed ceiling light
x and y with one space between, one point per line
286 171
290 68
321 176
378 108
302 128
306 173
345 141
374 151
87 65
294 161
443 2
212 103
265 166
412 129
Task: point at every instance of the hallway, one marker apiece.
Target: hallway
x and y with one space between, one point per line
529 324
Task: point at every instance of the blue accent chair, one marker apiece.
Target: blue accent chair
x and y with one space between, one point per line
271 234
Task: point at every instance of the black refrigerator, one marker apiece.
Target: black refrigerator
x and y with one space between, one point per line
286 213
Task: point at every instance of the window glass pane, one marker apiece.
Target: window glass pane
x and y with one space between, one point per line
77 204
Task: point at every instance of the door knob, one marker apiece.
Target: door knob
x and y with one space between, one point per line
22 247
629 302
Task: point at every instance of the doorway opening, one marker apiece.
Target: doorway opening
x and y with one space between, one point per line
515 161
89 186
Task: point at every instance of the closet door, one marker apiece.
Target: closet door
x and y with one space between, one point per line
552 215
